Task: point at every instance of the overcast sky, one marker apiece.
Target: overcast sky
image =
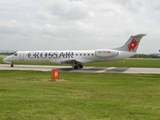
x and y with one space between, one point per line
78 24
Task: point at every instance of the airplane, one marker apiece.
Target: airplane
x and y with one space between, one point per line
76 58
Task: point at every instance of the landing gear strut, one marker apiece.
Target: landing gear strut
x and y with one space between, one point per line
12 65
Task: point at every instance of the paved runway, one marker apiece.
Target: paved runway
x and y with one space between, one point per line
85 69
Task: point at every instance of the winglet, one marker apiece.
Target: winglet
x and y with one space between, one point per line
132 44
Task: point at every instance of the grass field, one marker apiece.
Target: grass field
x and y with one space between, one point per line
30 95
130 62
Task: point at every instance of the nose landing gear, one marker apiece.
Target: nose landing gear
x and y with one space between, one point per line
12 65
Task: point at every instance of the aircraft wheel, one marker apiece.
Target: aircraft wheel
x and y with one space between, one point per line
75 67
80 66
12 65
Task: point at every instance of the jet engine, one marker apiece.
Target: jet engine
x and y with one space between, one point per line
106 53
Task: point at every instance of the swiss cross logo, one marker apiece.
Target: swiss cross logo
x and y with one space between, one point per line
132 45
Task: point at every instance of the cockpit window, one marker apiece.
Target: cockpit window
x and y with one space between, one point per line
15 54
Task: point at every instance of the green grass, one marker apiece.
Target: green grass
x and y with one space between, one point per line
30 95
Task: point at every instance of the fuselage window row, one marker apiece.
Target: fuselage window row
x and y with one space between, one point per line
84 54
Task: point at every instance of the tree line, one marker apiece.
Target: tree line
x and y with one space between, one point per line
145 56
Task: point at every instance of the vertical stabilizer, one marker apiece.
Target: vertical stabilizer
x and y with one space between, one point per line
132 44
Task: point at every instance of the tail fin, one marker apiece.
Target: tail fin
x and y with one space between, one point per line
132 44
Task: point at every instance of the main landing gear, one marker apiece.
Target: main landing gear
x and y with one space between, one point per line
12 65
76 66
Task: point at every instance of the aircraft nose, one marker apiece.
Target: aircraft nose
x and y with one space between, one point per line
6 60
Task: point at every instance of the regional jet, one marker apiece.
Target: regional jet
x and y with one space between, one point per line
76 58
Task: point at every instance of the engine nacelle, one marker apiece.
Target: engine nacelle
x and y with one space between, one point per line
106 53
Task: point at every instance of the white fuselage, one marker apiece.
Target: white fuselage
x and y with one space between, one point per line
82 56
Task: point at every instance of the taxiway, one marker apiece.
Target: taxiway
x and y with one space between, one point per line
85 69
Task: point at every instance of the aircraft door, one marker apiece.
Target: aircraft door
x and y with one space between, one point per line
21 56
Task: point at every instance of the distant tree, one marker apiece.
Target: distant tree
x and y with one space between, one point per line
145 56
6 53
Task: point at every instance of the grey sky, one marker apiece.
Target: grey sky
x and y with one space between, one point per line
78 24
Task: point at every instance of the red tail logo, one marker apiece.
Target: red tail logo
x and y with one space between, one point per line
132 45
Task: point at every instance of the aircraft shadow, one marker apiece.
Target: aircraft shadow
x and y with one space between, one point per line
95 69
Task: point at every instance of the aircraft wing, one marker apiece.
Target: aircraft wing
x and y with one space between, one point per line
70 61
